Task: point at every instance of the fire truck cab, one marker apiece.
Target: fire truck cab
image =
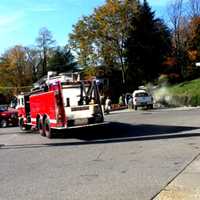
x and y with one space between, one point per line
60 102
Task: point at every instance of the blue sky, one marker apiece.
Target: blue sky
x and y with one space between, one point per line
20 20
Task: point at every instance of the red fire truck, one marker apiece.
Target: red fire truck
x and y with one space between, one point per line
60 103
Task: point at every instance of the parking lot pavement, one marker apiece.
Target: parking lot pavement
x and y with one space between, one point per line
185 186
134 157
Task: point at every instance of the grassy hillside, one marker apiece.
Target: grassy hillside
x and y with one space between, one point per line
189 88
182 94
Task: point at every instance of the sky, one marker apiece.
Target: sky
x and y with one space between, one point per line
20 20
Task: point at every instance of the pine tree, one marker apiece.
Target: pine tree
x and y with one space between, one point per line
147 44
62 60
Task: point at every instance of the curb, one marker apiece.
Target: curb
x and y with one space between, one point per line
185 185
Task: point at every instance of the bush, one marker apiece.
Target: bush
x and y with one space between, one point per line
195 100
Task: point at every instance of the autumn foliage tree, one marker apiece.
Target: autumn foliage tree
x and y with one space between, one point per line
21 66
14 70
184 17
99 39
193 51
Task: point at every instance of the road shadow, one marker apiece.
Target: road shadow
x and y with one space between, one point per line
116 130
113 132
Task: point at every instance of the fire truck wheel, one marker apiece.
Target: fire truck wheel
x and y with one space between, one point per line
28 127
22 126
47 128
41 128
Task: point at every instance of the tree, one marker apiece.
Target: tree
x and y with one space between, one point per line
179 24
184 20
34 61
194 27
194 8
61 60
193 49
81 42
99 39
14 69
113 21
45 43
147 45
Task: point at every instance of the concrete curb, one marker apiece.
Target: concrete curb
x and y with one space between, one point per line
185 186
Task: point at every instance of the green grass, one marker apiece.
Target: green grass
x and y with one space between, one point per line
186 93
186 88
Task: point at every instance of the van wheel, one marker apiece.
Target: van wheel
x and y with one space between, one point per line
3 123
47 129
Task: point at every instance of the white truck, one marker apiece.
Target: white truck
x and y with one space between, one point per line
142 98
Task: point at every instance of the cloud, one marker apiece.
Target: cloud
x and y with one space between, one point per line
10 23
7 20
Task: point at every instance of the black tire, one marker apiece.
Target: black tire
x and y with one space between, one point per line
21 124
3 123
107 112
151 106
47 128
28 127
40 127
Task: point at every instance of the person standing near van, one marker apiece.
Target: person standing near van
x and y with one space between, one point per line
130 102
102 100
107 105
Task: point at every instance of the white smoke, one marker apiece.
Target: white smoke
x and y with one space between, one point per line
162 96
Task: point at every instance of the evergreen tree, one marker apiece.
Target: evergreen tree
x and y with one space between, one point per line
147 44
61 60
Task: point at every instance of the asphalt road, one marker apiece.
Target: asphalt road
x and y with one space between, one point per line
132 157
